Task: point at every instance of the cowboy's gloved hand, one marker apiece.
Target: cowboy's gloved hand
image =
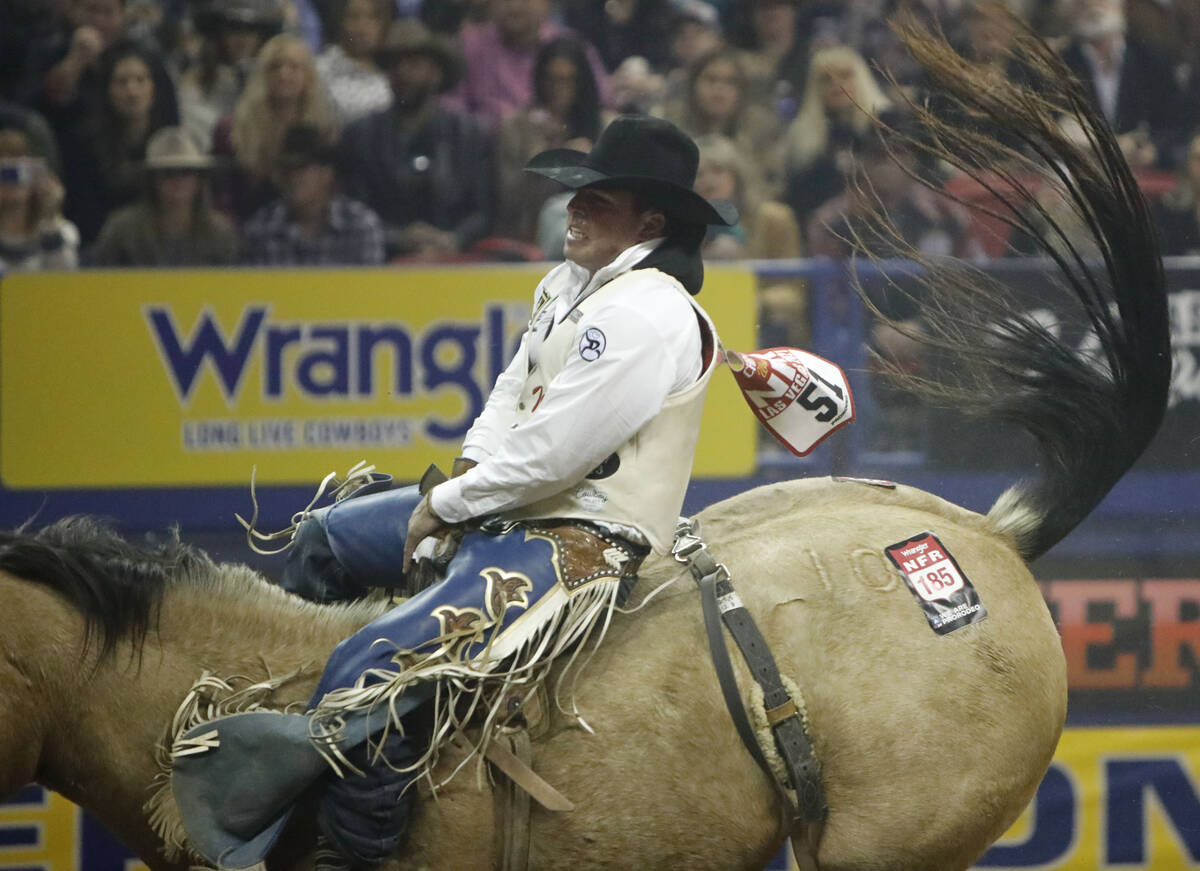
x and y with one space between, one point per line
421 524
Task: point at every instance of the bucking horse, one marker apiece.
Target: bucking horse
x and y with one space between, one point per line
929 743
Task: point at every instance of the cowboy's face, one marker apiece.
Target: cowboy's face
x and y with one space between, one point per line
602 223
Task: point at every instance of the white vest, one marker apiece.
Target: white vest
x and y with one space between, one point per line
646 488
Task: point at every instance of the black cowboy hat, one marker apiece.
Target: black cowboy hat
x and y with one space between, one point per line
649 156
409 36
265 16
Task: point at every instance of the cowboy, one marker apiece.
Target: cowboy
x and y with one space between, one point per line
552 497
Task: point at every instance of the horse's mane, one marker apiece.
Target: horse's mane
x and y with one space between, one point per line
116 585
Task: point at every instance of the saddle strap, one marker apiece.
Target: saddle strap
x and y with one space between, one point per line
512 811
721 603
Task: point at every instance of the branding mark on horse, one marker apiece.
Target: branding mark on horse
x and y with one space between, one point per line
592 344
872 571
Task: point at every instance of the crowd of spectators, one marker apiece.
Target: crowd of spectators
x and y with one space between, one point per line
283 132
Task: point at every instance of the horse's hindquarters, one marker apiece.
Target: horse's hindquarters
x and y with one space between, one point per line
930 744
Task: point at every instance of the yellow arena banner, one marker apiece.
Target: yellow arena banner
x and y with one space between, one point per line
140 378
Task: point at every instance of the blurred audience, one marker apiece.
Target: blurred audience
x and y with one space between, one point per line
174 223
62 67
104 162
1179 211
34 235
504 79
425 169
772 50
840 103
718 101
283 90
499 55
621 29
311 224
766 229
693 32
1132 84
232 32
356 84
566 113
883 182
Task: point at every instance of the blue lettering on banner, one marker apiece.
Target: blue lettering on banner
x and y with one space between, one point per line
1053 828
1129 783
207 343
19 836
99 849
336 360
465 338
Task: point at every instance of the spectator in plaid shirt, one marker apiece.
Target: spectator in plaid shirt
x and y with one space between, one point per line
311 224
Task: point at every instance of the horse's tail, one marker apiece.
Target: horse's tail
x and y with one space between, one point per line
1091 415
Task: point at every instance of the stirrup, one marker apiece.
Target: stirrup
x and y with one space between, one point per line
361 478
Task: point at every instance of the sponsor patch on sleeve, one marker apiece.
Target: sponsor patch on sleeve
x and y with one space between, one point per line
591 344
945 595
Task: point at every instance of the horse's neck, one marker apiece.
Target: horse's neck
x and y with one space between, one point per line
99 747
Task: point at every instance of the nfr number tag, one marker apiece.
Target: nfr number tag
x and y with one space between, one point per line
936 581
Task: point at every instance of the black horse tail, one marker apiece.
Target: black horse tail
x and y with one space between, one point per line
1091 415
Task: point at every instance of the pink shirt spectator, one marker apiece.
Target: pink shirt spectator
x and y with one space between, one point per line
499 80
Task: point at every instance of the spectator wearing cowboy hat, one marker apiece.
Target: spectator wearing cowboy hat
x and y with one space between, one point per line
174 223
311 224
425 169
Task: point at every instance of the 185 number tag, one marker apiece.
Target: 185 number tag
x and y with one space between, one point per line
947 598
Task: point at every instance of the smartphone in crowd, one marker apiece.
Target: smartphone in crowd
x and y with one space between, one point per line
19 170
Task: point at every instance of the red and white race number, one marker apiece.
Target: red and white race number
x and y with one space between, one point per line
928 567
938 581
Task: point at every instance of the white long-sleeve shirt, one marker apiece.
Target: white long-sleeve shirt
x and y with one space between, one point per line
596 403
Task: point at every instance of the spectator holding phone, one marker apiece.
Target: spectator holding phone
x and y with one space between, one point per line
33 233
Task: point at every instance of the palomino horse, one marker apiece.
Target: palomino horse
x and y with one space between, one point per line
930 744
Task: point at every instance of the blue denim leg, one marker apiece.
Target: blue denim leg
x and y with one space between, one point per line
491 582
338 553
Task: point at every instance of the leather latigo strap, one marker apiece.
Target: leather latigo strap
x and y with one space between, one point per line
722 603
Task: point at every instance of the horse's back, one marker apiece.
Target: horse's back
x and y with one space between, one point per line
927 741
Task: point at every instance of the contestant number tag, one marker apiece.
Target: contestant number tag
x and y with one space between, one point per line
947 598
937 581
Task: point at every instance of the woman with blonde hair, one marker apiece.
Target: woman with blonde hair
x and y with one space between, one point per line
840 103
284 89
